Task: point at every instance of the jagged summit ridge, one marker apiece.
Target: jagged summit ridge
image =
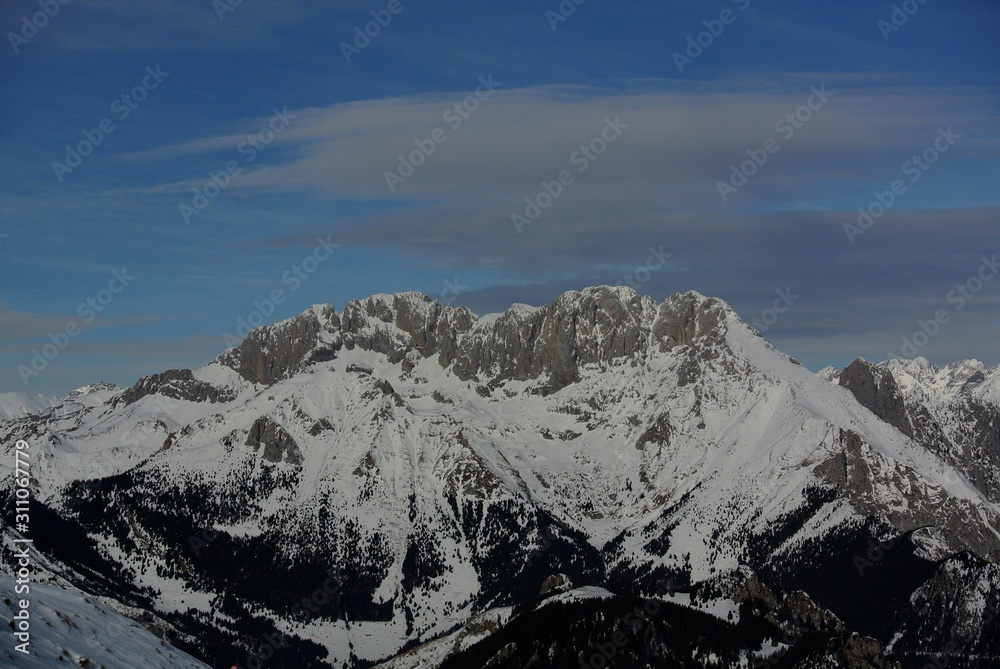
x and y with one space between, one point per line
590 326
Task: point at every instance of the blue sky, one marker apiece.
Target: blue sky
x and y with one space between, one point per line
267 93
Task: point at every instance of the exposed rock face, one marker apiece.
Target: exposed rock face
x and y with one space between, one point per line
875 388
278 444
875 484
92 388
580 328
797 615
983 462
686 318
397 324
178 384
861 652
554 584
272 353
744 585
593 326
954 425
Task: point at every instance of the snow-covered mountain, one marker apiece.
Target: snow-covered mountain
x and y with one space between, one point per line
343 487
953 411
68 628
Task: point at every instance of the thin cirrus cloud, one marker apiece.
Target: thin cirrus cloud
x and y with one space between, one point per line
657 186
666 166
684 135
449 223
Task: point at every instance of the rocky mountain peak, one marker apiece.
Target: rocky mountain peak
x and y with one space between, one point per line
271 353
919 377
875 388
91 388
590 326
951 411
404 323
685 318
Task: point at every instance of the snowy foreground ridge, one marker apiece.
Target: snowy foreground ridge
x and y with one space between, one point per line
79 631
402 477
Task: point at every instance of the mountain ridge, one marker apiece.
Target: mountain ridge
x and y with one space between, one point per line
447 464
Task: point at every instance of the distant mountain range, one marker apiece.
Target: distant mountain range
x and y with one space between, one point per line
605 481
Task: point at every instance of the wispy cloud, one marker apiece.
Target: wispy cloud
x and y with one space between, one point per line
679 139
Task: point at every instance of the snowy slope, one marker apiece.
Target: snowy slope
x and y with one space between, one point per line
445 464
952 411
69 628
